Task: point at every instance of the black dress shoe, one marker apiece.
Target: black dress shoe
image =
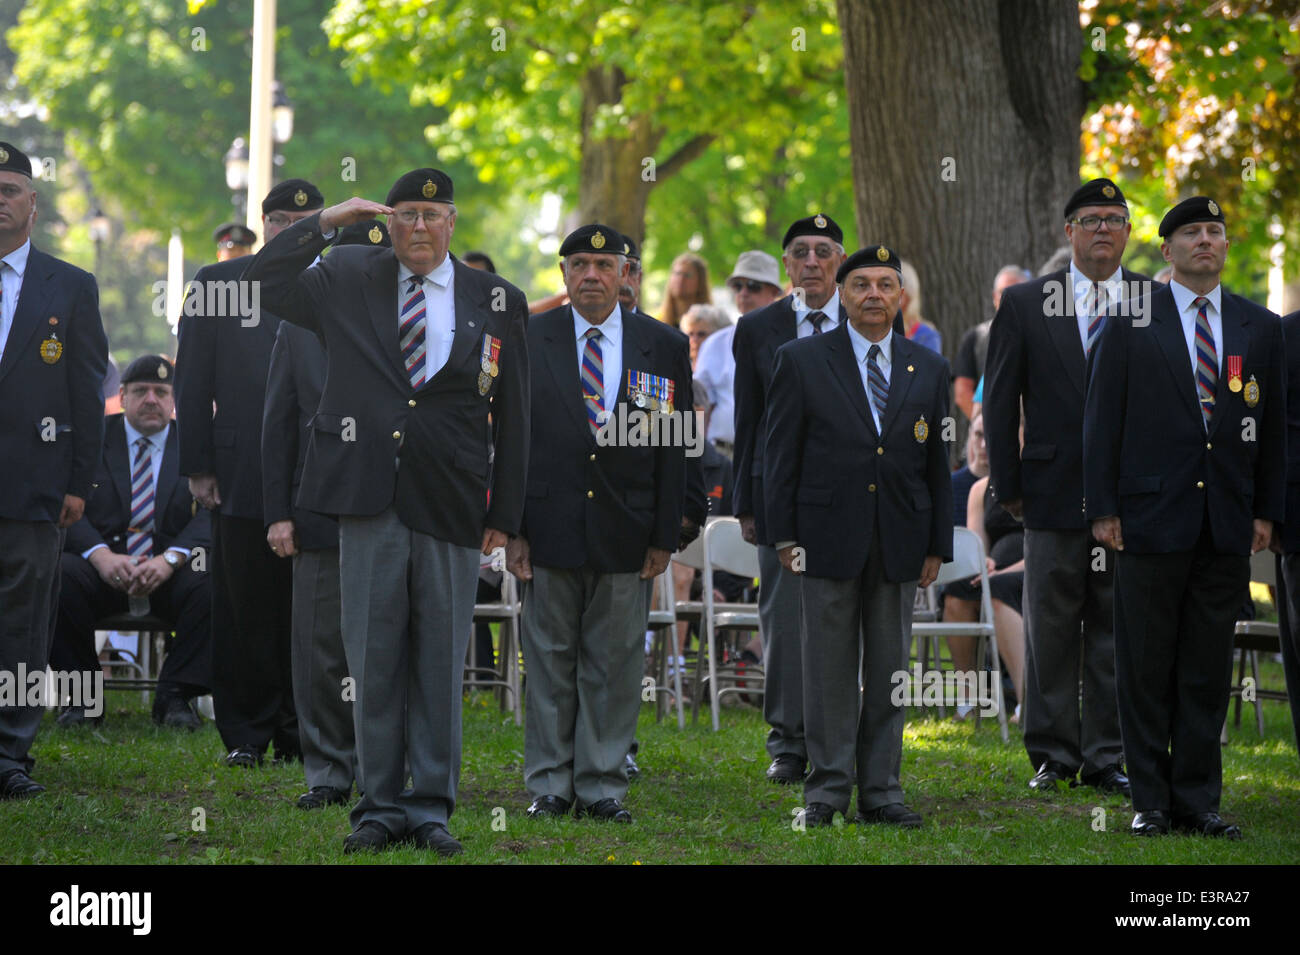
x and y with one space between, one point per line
544 806
786 769
434 835
1049 774
175 711
895 814
16 784
245 757
75 717
1152 823
1207 824
321 796
1110 780
816 815
367 837
609 810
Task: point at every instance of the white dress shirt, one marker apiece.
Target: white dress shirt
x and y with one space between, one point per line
611 352
439 315
1185 298
1081 286
861 346
804 327
12 267
715 370
157 448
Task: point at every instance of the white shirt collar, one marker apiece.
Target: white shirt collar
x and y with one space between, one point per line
831 309
17 259
862 345
441 276
611 327
1184 297
158 442
1081 284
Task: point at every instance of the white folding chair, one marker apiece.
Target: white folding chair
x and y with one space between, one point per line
1252 637
969 561
663 621
506 612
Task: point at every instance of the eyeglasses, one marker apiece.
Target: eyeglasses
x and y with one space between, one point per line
1093 223
407 217
822 251
280 220
749 285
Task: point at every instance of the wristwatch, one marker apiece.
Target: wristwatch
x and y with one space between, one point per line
173 559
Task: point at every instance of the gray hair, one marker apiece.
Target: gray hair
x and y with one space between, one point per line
712 316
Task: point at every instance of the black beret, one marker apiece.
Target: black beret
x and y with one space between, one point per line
293 195
154 369
13 159
370 232
482 258
814 225
630 247
421 185
236 233
593 238
873 256
1195 209
1095 192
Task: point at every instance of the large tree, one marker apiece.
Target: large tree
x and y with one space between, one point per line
964 118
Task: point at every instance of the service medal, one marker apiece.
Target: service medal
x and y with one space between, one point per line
638 399
375 235
51 349
920 430
491 352
484 382
1234 373
1252 392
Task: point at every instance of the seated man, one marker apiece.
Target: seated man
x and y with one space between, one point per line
134 540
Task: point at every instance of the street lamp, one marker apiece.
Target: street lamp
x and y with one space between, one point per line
281 115
236 160
99 231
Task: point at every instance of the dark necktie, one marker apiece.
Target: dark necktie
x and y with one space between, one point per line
593 378
876 379
139 538
1207 361
817 318
1098 312
414 349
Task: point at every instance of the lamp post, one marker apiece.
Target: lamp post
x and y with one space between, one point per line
236 160
99 231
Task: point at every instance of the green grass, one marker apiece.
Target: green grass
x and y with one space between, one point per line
127 794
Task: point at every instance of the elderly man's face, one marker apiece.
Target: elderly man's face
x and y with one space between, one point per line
751 293
17 209
1097 251
629 293
592 280
695 329
870 296
811 261
421 233
148 406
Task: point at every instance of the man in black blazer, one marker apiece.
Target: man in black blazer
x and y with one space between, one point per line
1286 538
859 503
603 514
135 539
226 337
812 252
420 349
52 359
1038 347
1185 475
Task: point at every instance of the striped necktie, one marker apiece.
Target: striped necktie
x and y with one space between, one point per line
414 349
1097 309
876 379
593 378
139 539
817 318
1207 361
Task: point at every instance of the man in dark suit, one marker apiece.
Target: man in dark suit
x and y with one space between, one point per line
1185 475
1038 347
812 251
1286 539
52 359
420 349
226 337
601 519
135 540
859 504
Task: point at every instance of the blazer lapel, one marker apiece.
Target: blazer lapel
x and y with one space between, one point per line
561 359
117 459
1063 327
167 476
636 354
381 303
1168 328
1235 342
844 368
902 372
27 313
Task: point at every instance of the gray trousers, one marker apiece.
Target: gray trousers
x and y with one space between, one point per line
780 624
854 628
583 635
29 596
1069 636
320 666
408 607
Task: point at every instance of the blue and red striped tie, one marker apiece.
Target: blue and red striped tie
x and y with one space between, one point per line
593 378
1098 312
414 349
1207 361
139 539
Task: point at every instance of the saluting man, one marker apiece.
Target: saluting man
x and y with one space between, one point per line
601 519
859 503
1185 475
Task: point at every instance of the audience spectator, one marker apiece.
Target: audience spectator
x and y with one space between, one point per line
688 284
976 467
915 327
974 346
480 261
699 322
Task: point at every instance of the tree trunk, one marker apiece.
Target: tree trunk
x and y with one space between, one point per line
612 189
964 121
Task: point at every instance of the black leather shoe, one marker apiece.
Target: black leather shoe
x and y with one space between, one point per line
176 712
367 837
434 835
786 769
609 810
816 815
1111 780
544 806
321 796
1153 823
75 717
16 784
245 757
1049 774
895 814
1207 824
